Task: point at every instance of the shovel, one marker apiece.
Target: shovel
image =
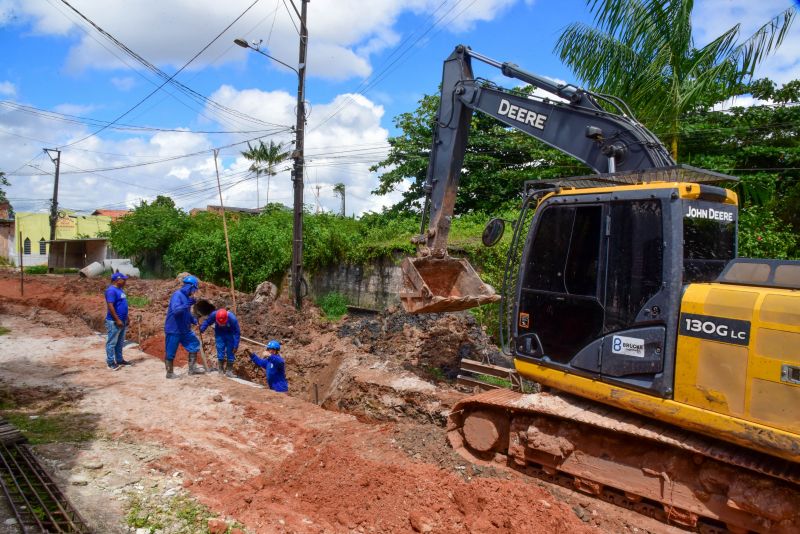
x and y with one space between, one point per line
203 353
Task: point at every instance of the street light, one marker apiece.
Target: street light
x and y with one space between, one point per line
297 155
244 44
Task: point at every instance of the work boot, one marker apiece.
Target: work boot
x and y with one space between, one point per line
169 364
221 366
193 369
229 372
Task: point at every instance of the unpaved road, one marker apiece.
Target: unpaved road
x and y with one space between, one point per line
269 462
272 462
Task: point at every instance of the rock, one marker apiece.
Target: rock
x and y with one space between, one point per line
142 530
266 292
10 521
217 525
419 523
217 398
171 492
79 481
93 464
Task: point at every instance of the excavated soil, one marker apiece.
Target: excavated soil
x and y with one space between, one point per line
366 460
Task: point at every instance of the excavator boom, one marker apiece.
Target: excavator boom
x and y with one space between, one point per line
570 119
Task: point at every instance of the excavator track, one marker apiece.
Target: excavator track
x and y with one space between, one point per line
662 471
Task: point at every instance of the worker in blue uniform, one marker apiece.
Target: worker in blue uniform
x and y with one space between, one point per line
226 335
178 326
274 366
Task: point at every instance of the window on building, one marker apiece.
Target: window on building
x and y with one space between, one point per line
26 246
42 247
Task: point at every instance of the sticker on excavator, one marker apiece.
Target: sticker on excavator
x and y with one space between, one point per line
442 285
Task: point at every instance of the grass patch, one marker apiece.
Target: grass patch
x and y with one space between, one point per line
62 427
137 301
436 373
182 514
502 382
334 306
4 330
36 269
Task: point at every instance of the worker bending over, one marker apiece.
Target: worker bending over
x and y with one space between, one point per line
178 326
226 335
274 366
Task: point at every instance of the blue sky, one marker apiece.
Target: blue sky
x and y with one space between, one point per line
369 60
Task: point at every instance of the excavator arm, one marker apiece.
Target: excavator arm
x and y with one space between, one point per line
567 118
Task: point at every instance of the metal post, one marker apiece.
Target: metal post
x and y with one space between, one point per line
297 175
21 267
54 206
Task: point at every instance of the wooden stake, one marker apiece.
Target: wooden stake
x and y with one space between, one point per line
225 230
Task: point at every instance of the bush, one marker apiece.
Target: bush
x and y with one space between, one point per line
36 269
334 305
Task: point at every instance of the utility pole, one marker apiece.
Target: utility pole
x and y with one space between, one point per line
297 175
54 205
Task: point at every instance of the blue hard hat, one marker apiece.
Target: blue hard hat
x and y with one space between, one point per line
118 276
274 345
192 281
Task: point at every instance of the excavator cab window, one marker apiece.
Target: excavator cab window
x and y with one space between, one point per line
708 243
560 286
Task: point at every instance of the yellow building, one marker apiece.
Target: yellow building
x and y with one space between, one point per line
34 231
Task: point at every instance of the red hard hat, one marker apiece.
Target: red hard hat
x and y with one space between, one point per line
222 316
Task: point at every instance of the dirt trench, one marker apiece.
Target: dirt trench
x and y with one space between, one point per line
384 367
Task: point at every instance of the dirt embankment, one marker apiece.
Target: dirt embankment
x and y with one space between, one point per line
385 367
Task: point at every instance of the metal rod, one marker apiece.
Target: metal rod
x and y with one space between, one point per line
316 394
225 229
46 487
5 457
253 341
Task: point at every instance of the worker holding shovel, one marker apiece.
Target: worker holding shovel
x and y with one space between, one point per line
178 326
226 335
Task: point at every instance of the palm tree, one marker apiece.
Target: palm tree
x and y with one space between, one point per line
338 189
643 51
264 158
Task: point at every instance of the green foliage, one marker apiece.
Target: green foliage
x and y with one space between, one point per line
182 514
334 305
644 52
4 330
36 269
762 235
496 381
149 228
138 301
3 181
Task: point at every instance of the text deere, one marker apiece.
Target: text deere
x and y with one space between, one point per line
525 116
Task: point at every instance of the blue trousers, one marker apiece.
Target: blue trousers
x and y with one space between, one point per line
224 347
187 339
114 342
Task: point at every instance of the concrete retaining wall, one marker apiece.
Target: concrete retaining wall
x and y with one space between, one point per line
373 285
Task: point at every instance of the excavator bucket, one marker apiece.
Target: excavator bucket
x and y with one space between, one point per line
442 285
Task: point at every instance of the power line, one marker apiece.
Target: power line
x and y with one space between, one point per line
166 81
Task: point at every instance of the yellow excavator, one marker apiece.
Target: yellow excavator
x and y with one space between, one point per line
670 367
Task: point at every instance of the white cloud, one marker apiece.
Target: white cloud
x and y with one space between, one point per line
8 89
343 139
713 17
343 33
74 109
741 102
124 83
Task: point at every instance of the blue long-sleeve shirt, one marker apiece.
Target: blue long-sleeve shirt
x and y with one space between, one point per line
276 371
229 329
179 314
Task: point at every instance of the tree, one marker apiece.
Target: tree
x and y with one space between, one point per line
498 161
338 189
3 181
147 232
644 52
264 158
